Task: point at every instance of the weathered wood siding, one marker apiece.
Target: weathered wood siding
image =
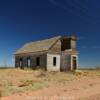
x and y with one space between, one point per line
73 44
60 50
56 48
43 59
50 66
65 62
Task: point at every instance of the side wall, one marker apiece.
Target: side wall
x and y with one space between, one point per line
54 51
65 62
33 58
73 44
50 66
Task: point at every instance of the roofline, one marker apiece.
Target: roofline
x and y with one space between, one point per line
72 37
31 52
39 41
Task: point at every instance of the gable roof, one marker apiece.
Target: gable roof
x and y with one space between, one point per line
37 46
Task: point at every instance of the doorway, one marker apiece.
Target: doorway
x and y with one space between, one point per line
74 62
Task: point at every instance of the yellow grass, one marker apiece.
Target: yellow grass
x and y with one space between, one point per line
16 81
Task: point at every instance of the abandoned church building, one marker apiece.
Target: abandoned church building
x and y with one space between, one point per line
54 54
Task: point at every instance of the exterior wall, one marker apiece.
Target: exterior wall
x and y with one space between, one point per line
50 66
65 58
56 48
17 64
32 61
65 62
73 44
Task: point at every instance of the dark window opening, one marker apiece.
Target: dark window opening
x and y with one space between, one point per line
28 62
38 61
21 59
65 44
54 61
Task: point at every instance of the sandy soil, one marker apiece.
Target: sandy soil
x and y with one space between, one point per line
81 88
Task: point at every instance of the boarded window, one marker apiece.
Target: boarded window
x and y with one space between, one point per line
38 61
54 61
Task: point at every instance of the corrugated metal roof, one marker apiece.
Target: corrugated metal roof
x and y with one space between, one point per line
36 46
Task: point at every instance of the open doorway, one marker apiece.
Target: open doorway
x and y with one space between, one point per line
74 62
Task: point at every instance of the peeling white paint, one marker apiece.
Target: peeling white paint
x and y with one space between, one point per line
50 66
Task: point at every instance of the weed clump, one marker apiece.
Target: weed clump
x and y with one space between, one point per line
26 83
0 93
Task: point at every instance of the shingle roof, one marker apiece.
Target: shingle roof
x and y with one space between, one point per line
36 46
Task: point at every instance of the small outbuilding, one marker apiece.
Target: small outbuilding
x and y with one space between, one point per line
54 54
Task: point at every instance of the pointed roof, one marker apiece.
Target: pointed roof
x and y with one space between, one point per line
42 45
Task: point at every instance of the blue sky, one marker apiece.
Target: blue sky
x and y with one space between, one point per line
23 21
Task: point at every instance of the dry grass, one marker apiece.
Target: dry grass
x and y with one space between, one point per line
16 81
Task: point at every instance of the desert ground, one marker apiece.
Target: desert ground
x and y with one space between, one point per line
16 84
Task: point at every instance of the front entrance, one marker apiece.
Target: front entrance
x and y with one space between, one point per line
74 62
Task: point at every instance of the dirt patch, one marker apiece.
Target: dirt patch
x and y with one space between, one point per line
37 85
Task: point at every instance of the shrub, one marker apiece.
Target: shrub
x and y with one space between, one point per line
26 83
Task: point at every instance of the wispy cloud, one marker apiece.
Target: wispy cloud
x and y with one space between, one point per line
75 7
